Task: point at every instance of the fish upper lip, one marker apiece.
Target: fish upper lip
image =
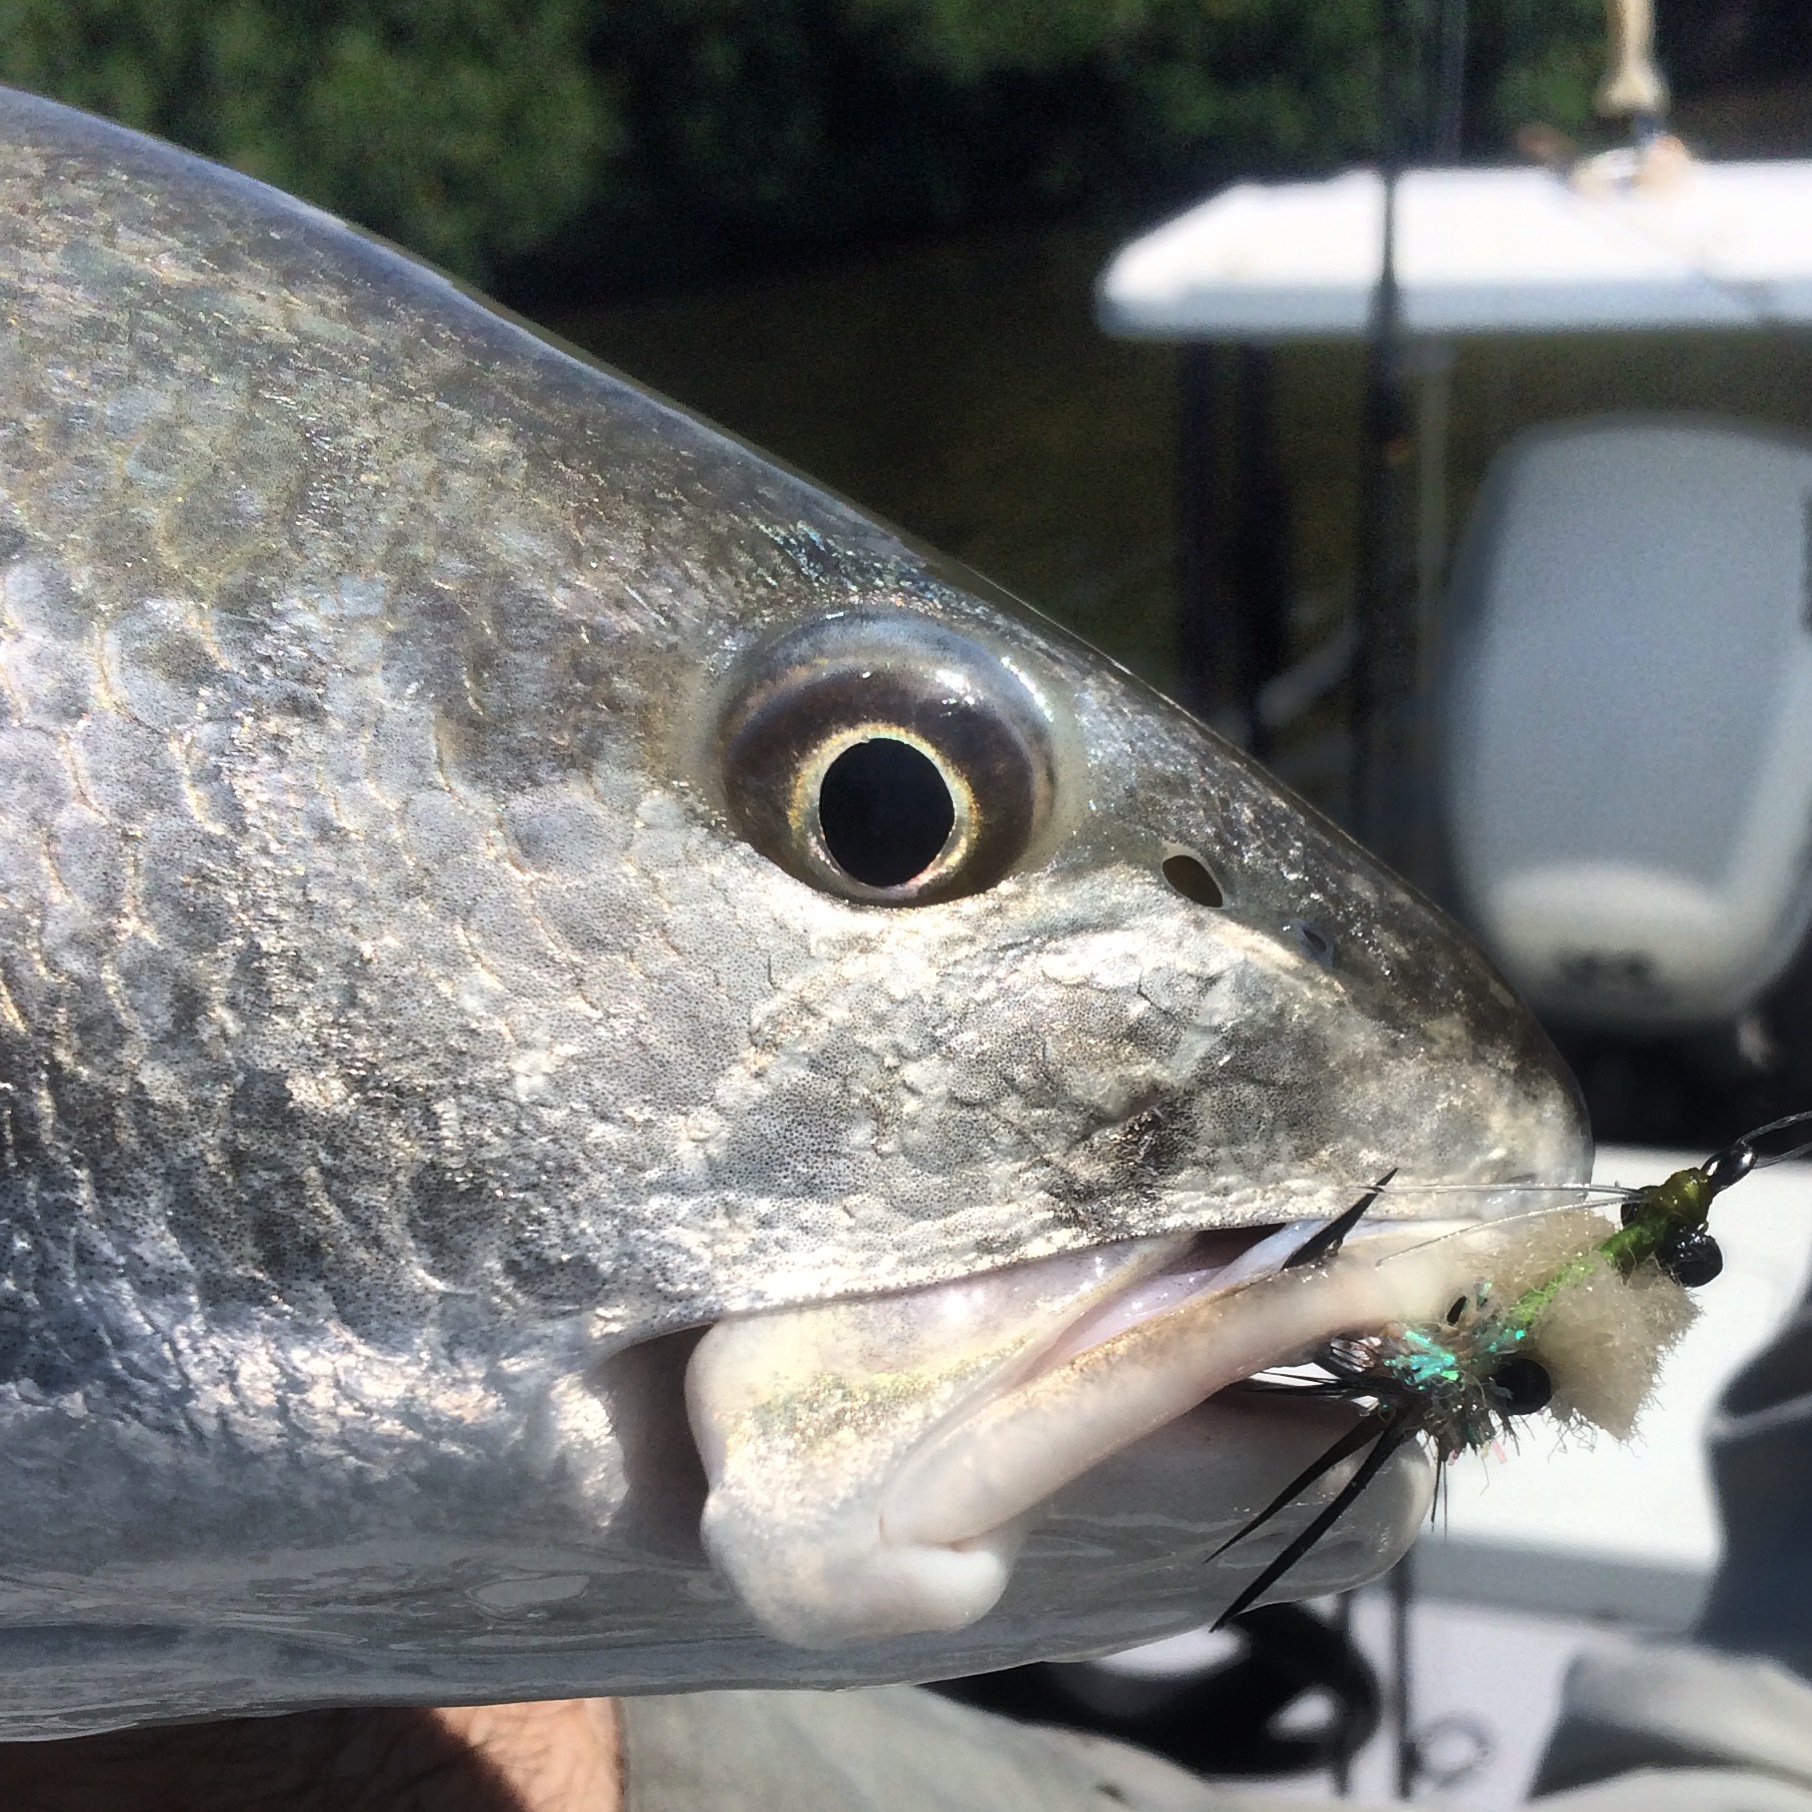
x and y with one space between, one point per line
1211 1262
1022 1442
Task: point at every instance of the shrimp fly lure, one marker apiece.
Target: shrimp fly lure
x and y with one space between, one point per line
1572 1320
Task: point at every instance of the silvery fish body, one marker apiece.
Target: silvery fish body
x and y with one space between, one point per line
426 979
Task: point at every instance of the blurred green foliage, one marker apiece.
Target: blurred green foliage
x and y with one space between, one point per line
618 137
471 130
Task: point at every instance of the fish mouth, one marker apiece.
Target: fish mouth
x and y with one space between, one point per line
876 1464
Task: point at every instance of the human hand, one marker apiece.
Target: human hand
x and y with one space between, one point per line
559 1755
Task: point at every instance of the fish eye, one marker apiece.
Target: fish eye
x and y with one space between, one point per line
1524 1385
1192 878
885 760
1457 1309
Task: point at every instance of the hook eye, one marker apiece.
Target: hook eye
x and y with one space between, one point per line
1762 1146
1730 1165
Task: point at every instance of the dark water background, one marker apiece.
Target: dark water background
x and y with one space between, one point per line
960 389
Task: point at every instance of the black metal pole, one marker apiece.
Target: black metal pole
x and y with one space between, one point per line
1233 525
1450 83
1343 1756
1402 1593
1198 602
1384 781
1261 550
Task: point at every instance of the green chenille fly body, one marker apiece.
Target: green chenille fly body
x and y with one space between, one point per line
1460 1383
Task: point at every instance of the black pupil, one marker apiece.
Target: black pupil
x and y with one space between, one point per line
1526 1386
885 812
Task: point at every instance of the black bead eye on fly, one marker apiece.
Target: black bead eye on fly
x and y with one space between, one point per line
886 760
1523 1384
1690 1256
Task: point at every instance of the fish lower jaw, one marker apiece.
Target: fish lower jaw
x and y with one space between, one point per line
876 1466
851 1582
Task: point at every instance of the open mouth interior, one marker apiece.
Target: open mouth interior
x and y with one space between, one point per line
875 1464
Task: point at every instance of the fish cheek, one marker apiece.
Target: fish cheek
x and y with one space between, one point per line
1006 1050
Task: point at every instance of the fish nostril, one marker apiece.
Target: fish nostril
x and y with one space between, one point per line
1313 942
1189 875
885 811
